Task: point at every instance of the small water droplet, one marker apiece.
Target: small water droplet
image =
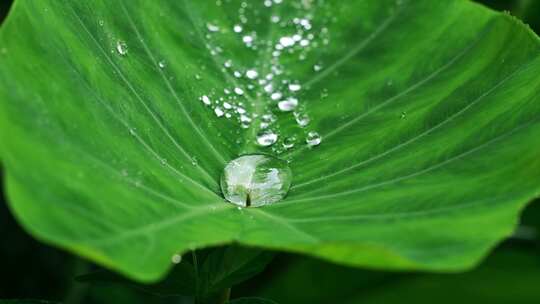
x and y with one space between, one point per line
288 143
266 138
121 48
294 87
288 104
286 41
302 119
276 95
206 100
313 139
219 112
161 64
176 259
212 27
403 115
255 180
239 91
317 67
237 28
252 74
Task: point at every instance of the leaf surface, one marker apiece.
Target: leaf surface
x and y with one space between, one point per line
428 113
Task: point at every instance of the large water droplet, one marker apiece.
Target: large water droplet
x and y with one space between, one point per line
256 180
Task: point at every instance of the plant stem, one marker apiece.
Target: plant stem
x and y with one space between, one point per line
225 296
196 268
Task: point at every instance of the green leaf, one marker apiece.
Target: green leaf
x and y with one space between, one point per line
180 281
252 301
219 269
228 266
428 112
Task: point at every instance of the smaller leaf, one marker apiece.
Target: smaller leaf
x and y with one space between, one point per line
252 301
180 281
228 266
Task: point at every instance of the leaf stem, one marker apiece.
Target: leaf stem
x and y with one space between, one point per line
196 268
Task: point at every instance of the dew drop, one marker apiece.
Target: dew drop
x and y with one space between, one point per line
219 112
302 119
176 259
255 180
121 48
266 138
313 139
252 74
212 27
288 143
294 87
286 41
288 104
237 28
161 64
206 100
239 91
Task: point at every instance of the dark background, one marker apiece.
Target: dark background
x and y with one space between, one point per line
511 274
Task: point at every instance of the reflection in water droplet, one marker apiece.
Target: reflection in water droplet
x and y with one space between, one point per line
313 139
266 138
255 180
121 48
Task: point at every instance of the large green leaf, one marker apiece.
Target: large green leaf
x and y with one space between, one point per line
428 112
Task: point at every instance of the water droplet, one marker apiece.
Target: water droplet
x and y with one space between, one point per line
252 74
176 259
313 139
276 95
288 143
121 48
212 27
247 40
161 64
317 67
288 104
266 138
255 180
237 28
219 112
403 115
302 119
239 91
206 100
294 87
286 41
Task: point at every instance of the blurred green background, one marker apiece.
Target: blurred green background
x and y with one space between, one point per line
511 274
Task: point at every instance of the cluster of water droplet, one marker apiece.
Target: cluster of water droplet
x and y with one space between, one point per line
276 93
268 78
